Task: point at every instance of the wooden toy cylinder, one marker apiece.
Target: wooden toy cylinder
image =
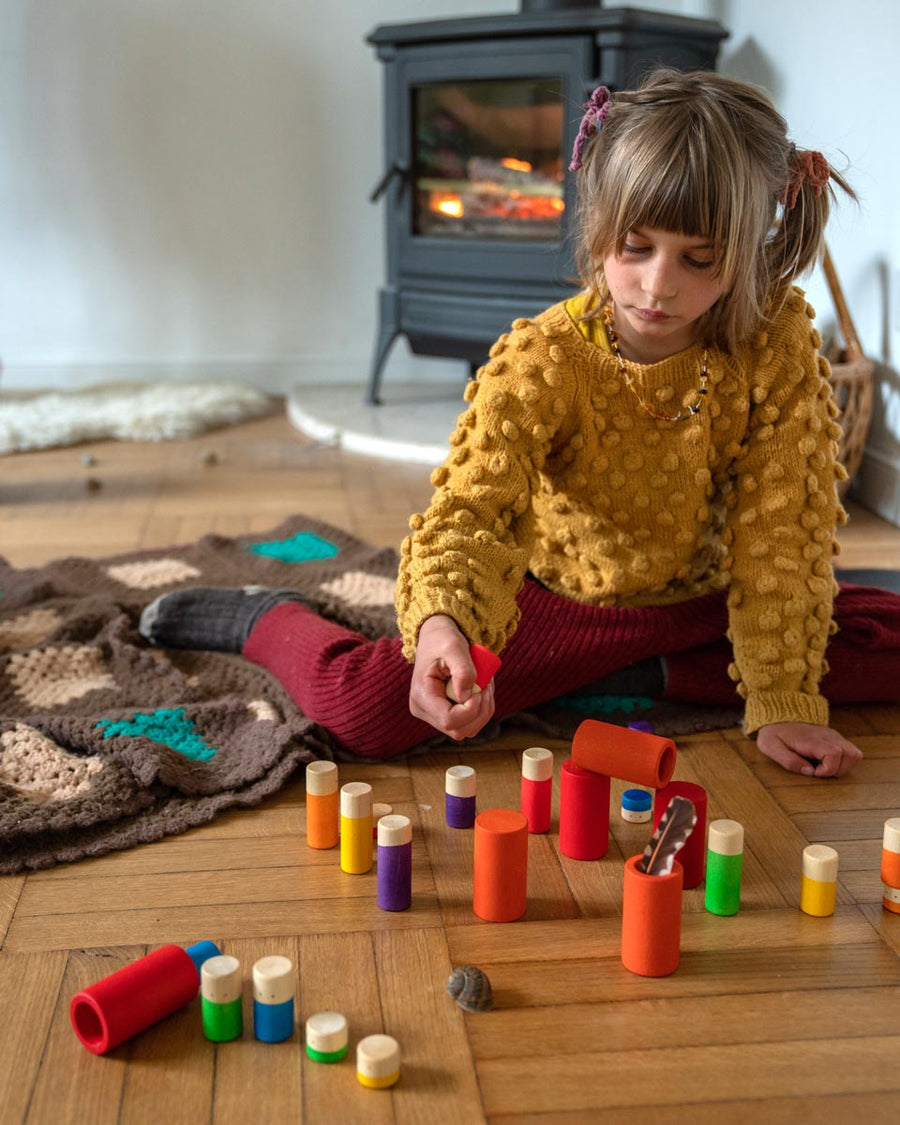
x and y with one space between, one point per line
356 828
136 996
327 1037
651 920
379 809
692 856
378 1061
724 867
537 788
322 815
637 806
273 999
583 812
459 796
486 665
635 756
220 998
818 883
500 882
394 891
890 865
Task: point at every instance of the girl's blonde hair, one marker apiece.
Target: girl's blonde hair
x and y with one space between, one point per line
704 155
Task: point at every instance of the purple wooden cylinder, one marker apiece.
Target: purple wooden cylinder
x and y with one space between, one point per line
459 811
394 886
459 796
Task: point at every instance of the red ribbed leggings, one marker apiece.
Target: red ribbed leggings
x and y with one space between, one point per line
358 689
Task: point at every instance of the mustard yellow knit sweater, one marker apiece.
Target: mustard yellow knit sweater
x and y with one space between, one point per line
555 468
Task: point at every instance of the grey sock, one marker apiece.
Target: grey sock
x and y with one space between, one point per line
209 617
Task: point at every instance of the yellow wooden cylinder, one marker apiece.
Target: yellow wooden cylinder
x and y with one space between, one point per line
356 828
817 898
818 881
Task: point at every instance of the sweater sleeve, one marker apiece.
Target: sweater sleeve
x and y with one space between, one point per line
468 553
781 527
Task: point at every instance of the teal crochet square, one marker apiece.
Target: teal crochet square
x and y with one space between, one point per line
604 704
168 727
305 546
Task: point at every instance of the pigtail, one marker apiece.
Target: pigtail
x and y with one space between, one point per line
798 238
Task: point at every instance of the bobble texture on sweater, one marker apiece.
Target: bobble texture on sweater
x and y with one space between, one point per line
554 468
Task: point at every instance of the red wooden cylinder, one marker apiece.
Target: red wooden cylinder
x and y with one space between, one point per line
692 856
500 881
651 920
635 756
107 1013
583 812
537 787
536 801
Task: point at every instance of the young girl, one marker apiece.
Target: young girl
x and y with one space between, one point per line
643 471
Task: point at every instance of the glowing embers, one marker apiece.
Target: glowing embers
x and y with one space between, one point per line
503 198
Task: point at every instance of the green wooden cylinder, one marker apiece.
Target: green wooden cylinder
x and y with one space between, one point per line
222 1022
723 883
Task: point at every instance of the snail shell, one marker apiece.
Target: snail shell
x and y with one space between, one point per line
470 988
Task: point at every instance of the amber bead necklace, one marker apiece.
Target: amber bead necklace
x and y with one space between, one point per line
682 415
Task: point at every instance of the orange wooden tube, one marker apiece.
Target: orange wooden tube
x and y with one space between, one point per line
635 756
500 882
322 800
651 920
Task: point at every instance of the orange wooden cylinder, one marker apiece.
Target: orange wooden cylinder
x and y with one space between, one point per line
322 819
651 920
890 865
500 882
322 804
890 868
635 756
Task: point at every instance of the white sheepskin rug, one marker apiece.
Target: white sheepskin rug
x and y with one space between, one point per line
127 412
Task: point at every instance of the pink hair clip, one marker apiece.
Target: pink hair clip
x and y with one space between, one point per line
810 166
596 111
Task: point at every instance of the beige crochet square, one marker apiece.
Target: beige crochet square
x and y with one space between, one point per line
152 573
27 629
361 589
50 677
34 765
263 711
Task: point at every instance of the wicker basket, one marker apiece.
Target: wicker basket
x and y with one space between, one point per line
851 382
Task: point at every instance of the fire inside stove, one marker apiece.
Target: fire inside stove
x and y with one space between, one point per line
488 160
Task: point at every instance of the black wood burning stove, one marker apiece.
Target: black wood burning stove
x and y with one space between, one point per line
481 115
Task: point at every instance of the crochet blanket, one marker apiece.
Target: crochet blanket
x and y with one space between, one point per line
106 742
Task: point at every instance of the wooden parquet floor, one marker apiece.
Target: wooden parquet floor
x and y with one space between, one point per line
772 1016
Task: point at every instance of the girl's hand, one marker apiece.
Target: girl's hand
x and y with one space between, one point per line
808 749
442 654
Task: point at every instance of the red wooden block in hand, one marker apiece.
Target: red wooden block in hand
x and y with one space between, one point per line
486 664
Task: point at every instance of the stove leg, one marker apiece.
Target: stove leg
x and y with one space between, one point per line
388 331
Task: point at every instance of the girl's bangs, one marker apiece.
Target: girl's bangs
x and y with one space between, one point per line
673 195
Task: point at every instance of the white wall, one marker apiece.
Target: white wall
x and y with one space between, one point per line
184 182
